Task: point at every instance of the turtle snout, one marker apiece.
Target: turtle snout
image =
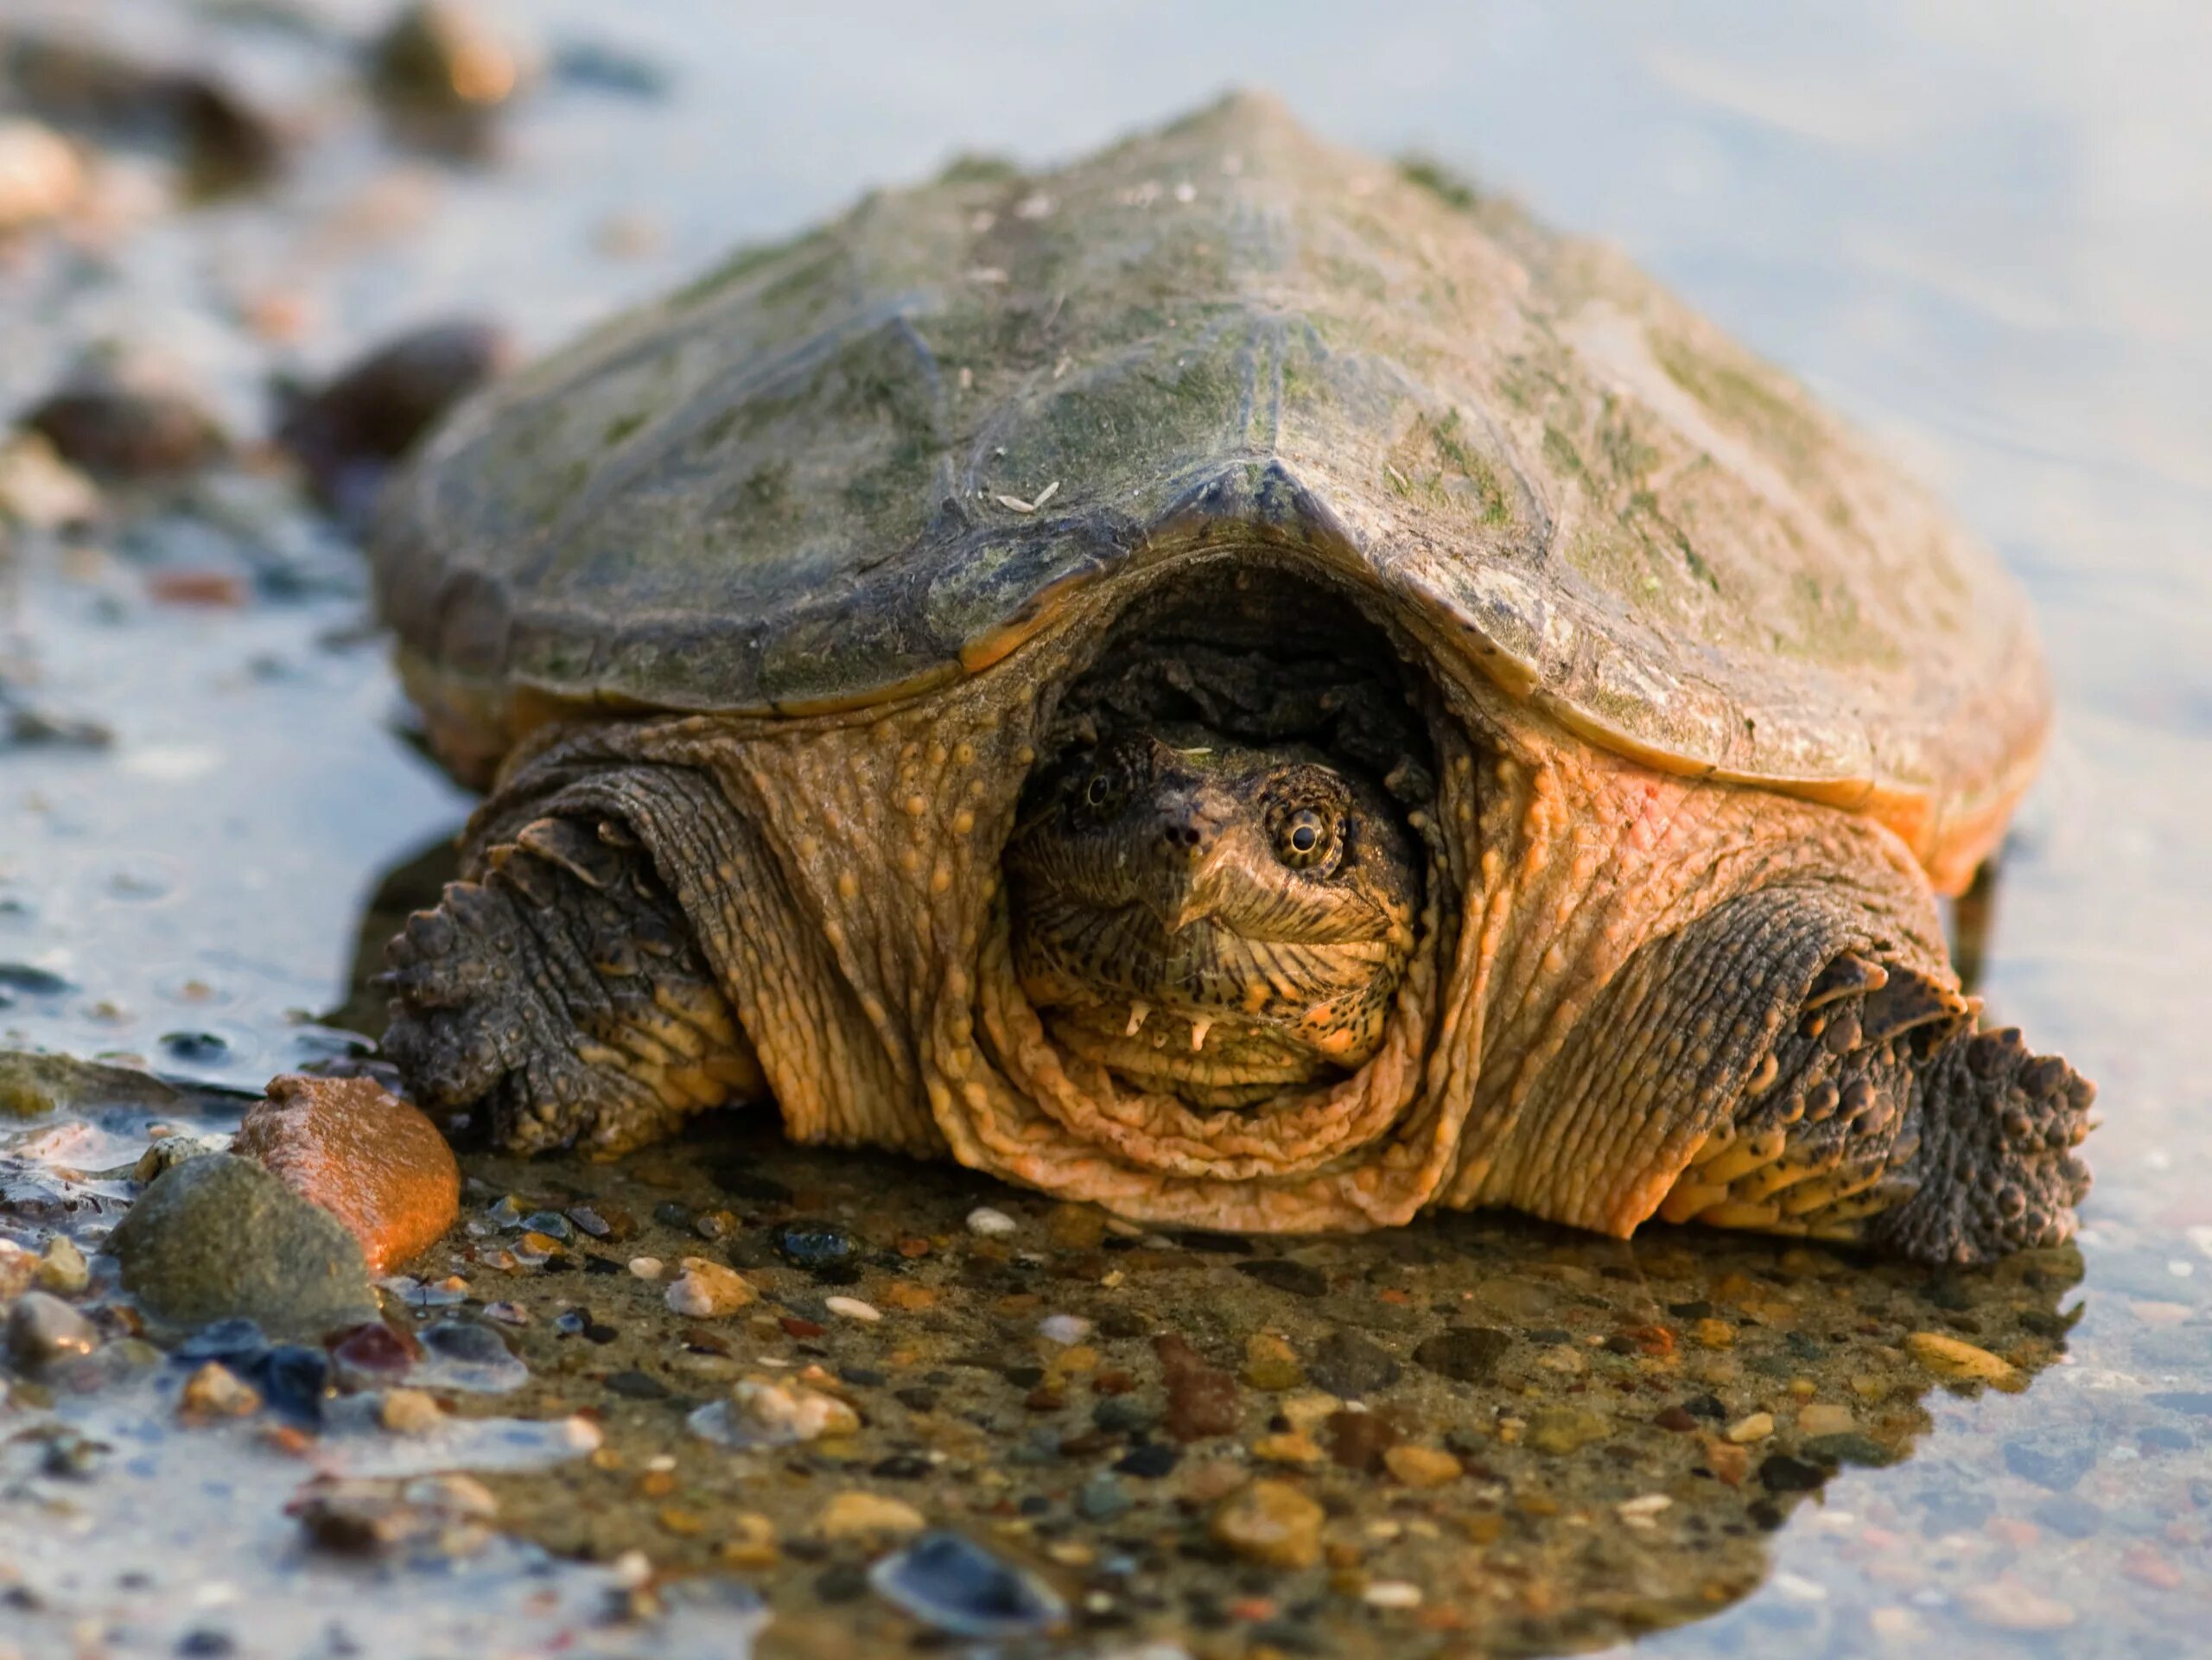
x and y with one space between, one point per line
1186 833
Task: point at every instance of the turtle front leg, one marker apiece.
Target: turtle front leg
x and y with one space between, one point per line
1882 1115
560 987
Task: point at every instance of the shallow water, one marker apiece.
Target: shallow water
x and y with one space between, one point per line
1985 235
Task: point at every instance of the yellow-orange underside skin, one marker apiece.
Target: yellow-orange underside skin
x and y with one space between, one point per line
861 932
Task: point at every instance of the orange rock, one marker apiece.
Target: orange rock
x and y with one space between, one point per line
367 1157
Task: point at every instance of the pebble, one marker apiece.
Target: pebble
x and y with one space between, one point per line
127 417
867 1515
1421 1467
1347 1364
1467 1355
357 1517
63 1269
410 1412
374 1353
1392 1593
1066 1330
646 1268
1957 1361
1202 1400
814 1245
215 1392
1753 1427
42 1330
41 177
461 1354
1565 1429
349 432
447 56
19 1271
170 1151
1358 1440
1271 1364
1271 1522
990 1223
1102 1498
956 1587
765 1412
1292 1446
1825 1418
373 1160
219 1236
706 1290
2010 1604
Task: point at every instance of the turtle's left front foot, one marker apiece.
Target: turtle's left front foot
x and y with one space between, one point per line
1884 1117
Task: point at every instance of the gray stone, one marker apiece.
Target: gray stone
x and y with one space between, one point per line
219 1237
1351 1366
42 1329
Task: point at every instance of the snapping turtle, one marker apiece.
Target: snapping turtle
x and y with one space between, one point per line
1234 680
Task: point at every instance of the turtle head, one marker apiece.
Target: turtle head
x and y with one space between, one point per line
1210 917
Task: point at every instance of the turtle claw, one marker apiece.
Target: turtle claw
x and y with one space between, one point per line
1995 1171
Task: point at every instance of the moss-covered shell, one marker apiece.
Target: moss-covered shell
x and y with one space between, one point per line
867 459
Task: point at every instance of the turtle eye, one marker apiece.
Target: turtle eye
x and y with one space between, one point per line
1306 837
1102 793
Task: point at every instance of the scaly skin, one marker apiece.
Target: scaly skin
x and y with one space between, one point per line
1209 919
1627 993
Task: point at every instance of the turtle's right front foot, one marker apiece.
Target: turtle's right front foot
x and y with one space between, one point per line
562 991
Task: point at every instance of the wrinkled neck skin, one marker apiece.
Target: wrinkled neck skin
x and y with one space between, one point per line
854 906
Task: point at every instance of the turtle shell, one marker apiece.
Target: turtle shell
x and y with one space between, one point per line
876 457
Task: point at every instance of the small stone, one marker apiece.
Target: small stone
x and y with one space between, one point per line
1780 1473
1957 1361
1292 1446
1347 1364
958 1588
41 177
19 1271
1358 1440
1753 1427
1729 1463
1825 1418
2010 1604
215 1392
373 1160
1076 1227
1066 1330
1151 1462
1297 1278
449 58
128 416
348 432
1308 1410
374 1353
1713 1333
1422 1467
814 1245
219 1236
1392 1593
867 1515
706 1290
62 1269
646 1268
1271 1522
170 1151
852 1308
410 1412
1271 1364
1202 1400
990 1223
767 1412
42 1330
1466 1355
1102 1498
1565 1429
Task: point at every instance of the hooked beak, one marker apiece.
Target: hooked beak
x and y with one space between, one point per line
1177 887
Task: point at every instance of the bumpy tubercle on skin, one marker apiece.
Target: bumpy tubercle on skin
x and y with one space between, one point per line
862 938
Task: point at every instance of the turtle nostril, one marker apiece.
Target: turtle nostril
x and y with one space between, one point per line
1184 836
